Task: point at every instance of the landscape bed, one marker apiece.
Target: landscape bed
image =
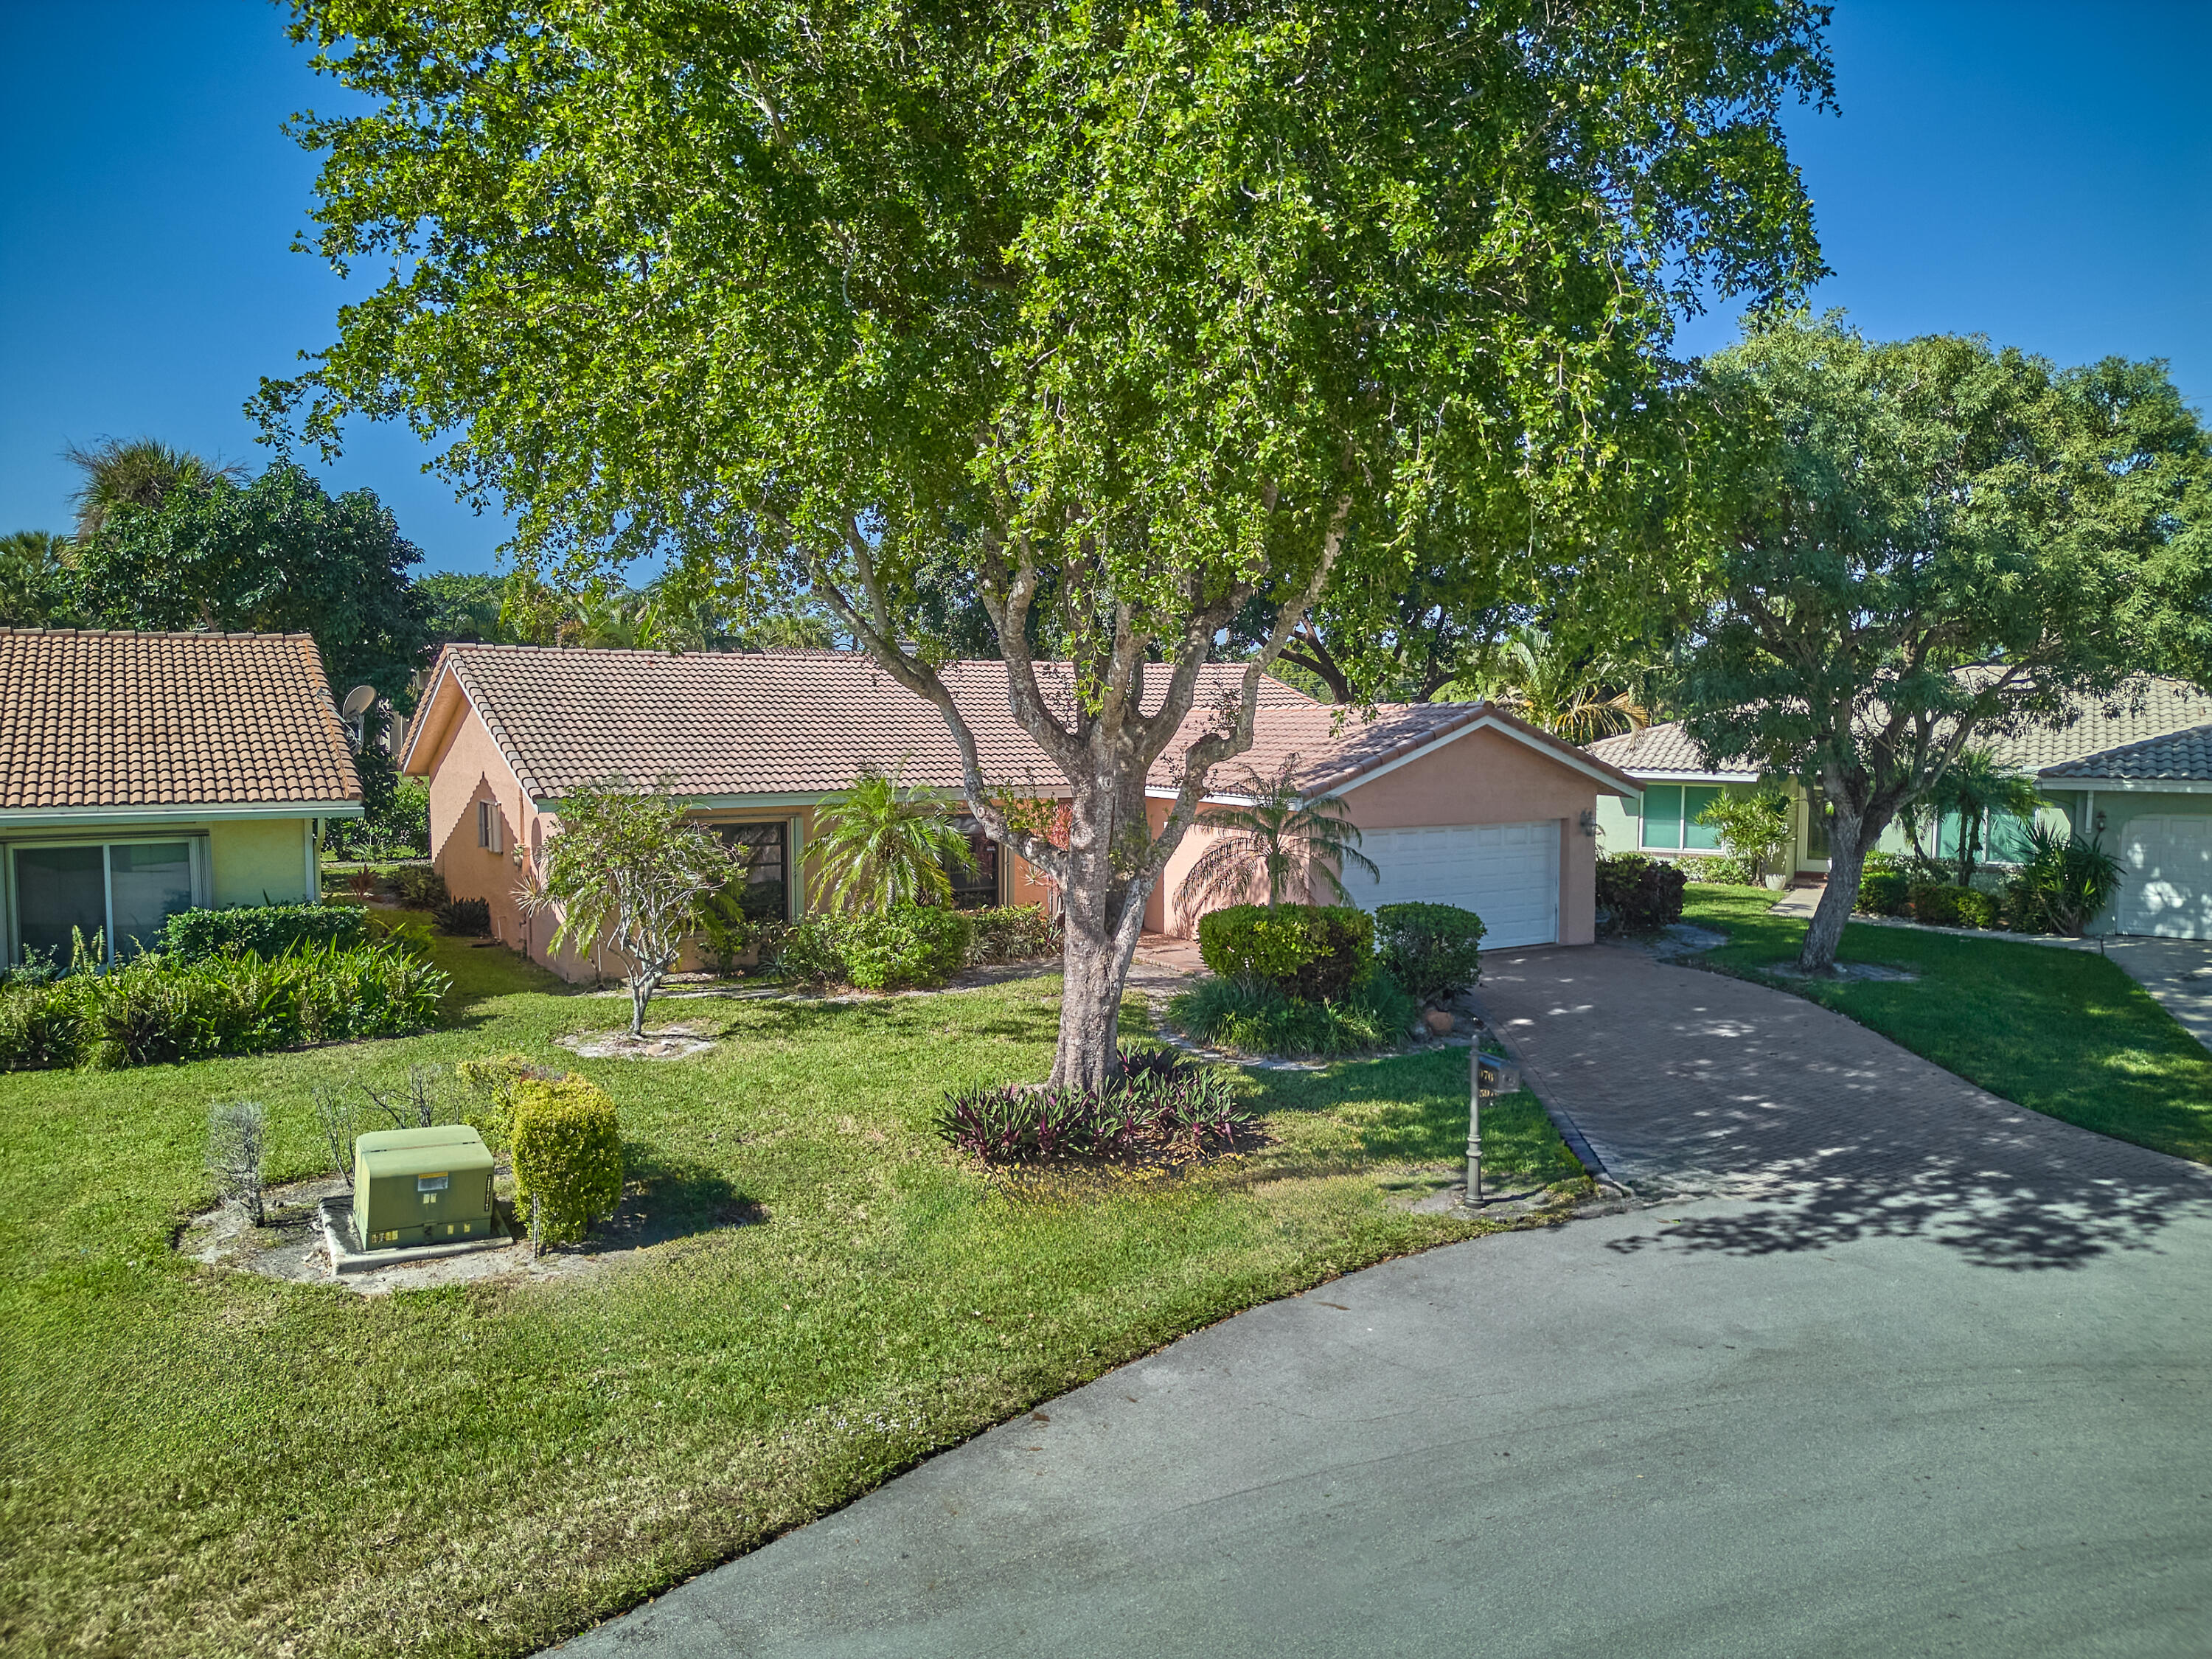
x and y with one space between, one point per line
201 1462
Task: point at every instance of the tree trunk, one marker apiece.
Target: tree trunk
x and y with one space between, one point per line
1846 863
1102 910
641 994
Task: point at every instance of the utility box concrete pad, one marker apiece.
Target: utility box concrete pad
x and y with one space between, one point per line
421 1187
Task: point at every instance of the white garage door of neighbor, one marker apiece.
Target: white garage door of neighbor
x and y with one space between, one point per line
2167 888
1506 873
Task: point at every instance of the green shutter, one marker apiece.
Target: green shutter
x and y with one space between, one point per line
1702 837
1662 815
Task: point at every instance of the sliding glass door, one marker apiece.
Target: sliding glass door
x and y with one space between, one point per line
120 892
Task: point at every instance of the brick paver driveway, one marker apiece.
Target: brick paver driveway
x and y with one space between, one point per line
1688 1083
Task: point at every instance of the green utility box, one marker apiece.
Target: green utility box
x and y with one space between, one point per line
421 1187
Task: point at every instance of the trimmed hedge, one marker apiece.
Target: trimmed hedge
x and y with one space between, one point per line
1431 950
1884 893
1013 932
1312 952
262 930
1941 905
566 1141
893 950
1638 895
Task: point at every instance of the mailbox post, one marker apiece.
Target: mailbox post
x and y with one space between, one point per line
1487 1074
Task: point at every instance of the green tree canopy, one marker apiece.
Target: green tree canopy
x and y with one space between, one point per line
137 474
1123 315
1923 544
278 555
34 580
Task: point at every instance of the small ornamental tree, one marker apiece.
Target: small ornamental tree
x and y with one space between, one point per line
1920 545
882 843
1278 836
626 873
1142 328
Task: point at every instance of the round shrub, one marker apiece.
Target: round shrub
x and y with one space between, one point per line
567 1150
1312 952
1637 895
907 945
1431 950
1884 893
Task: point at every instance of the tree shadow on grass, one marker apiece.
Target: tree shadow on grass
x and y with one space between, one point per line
665 1198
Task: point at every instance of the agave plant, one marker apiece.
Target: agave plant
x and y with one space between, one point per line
1259 846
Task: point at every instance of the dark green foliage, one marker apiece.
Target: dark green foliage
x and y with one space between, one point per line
419 887
1884 892
395 821
2061 884
1718 869
1013 932
731 925
1940 905
277 556
905 946
1433 951
34 584
1255 1016
568 1147
156 1009
465 918
1638 895
266 930
1309 953
456 607
1153 1113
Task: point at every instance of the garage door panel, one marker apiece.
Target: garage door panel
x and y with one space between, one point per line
2166 877
1506 873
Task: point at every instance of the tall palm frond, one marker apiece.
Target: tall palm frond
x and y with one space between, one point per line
1258 847
34 566
883 842
1567 692
137 472
1976 786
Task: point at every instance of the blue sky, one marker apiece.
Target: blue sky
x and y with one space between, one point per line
2041 174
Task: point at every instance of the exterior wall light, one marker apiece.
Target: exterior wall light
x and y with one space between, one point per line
1589 820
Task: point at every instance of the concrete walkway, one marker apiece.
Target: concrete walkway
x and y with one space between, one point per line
2177 971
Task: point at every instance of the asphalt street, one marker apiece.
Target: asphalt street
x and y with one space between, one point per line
1700 1429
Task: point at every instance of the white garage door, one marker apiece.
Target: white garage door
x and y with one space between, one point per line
2167 886
1506 873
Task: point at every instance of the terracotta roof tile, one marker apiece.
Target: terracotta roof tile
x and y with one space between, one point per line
91 719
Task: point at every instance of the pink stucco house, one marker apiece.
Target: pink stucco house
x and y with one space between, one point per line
1457 803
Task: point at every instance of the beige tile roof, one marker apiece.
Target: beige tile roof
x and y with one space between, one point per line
91 719
2147 710
805 722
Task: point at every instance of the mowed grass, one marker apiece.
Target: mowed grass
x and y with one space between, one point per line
200 1462
2062 1031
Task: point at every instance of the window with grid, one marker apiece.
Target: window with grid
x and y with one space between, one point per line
761 851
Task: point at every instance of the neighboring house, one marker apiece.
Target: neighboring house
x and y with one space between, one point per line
2133 772
1458 803
145 774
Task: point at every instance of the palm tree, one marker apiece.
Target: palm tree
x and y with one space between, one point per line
137 472
32 564
883 842
1975 785
1565 691
1280 831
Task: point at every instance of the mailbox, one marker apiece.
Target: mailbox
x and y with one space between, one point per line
421 1187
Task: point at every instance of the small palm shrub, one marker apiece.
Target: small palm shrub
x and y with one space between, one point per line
1013 932
2061 884
264 930
902 947
1255 1016
1313 952
1638 895
1433 951
41 1025
465 918
1156 1111
566 1141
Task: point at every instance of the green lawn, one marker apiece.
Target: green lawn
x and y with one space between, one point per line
2062 1031
200 1462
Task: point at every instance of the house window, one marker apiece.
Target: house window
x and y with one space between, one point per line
119 892
976 889
489 826
762 852
1670 817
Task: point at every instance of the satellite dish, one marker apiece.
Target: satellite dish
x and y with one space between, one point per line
358 700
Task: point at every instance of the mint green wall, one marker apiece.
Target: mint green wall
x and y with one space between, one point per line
249 858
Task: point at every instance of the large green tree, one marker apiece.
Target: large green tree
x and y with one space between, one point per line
278 555
1125 314
34 580
1921 544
